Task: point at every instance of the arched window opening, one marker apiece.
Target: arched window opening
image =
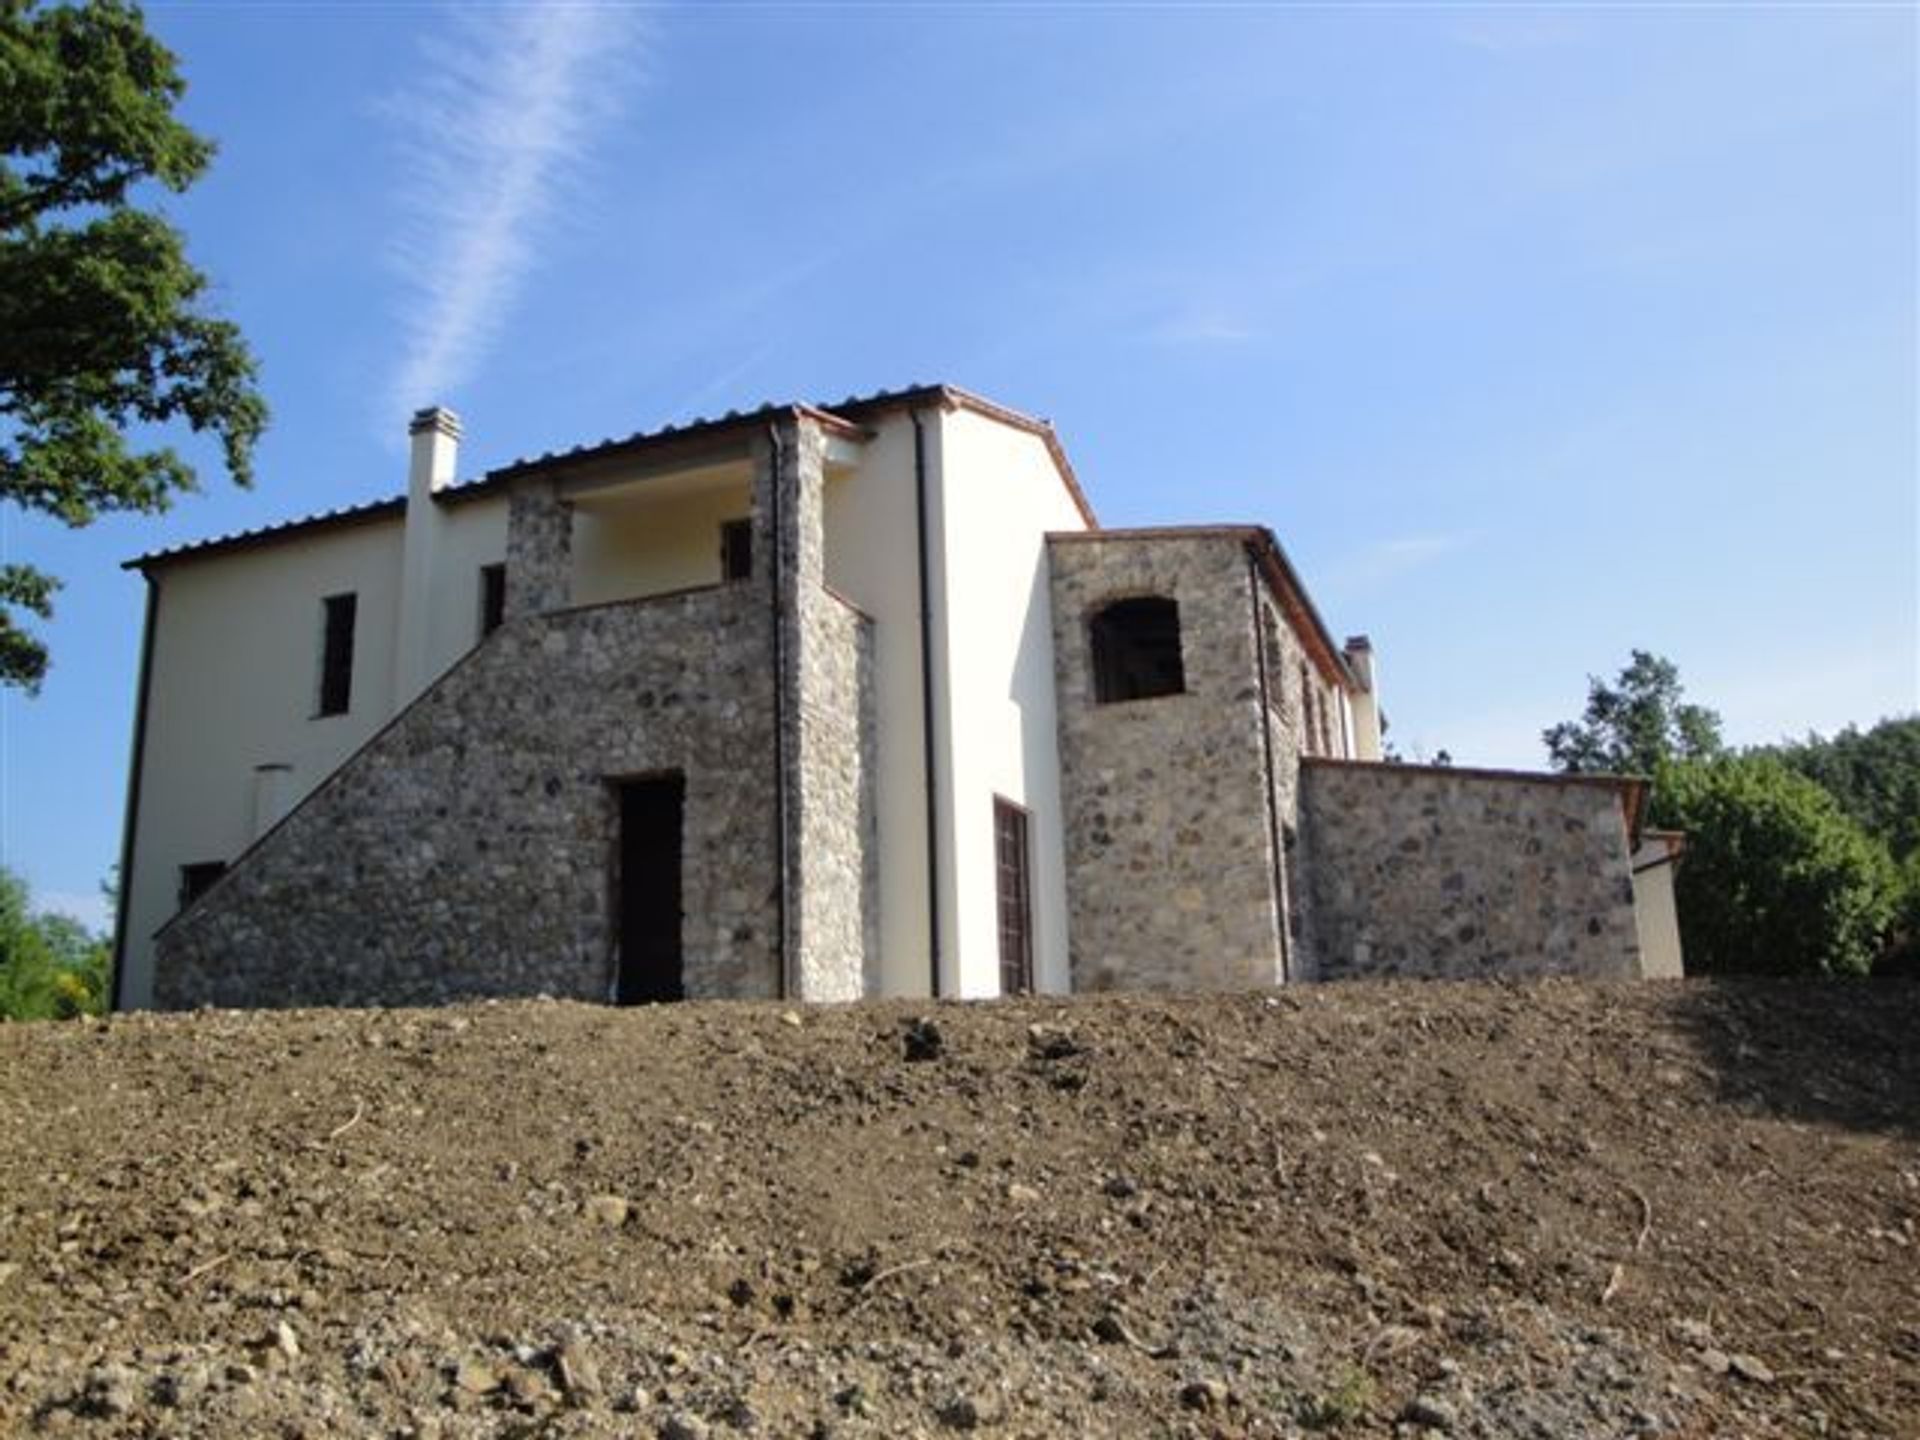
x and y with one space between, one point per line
1136 650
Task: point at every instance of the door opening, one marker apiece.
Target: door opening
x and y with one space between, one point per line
647 891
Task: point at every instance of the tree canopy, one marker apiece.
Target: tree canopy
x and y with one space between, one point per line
103 325
1801 858
1776 878
1874 774
1634 725
51 968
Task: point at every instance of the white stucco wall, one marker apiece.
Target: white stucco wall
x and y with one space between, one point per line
472 534
872 558
657 535
235 684
1654 912
998 496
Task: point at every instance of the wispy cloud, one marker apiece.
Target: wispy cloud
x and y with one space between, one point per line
1202 325
493 136
1383 560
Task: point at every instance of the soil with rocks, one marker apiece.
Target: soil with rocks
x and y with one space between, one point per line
1551 1210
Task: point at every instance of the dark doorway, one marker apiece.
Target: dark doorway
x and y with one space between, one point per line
648 894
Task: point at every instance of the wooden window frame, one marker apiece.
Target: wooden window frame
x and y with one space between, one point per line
1013 906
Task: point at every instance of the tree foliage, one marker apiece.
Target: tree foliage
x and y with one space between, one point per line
51 968
1635 725
102 318
1776 878
1874 774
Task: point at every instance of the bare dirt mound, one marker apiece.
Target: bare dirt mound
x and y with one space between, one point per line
1551 1210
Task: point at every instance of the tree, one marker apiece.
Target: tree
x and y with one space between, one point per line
1776 878
1635 725
1874 774
102 325
50 966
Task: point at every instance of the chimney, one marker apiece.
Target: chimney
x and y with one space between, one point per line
435 436
433 453
1366 705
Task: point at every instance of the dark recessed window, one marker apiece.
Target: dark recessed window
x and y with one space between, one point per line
197 879
736 550
1306 709
493 598
1136 650
336 653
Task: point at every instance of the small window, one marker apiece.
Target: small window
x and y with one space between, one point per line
736 550
197 879
1276 661
1136 650
336 653
1013 891
1306 710
493 598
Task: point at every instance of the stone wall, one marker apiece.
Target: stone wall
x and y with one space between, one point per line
1171 881
827 737
1420 871
467 850
539 551
836 885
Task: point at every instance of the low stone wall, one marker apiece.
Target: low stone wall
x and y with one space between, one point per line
467 850
1420 871
1171 882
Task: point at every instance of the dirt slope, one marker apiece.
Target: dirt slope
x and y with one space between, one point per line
1549 1210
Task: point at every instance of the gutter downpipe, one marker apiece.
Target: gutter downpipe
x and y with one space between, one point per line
776 574
1266 745
926 705
116 987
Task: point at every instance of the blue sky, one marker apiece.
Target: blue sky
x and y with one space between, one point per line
1537 333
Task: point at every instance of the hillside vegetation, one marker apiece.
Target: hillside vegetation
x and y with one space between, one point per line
1550 1210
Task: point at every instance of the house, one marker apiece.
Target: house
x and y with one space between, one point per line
818 702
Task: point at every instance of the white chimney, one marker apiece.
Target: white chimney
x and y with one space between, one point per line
1366 704
434 453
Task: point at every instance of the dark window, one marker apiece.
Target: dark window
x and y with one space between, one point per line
493 598
736 550
336 653
196 880
1276 663
1136 650
1010 882
1306 710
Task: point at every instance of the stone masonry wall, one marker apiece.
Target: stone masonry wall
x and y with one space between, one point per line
467 850
1170 867
1418 871
837 895
827 738
539 551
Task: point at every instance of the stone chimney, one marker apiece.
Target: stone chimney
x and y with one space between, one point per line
433 455
1366 705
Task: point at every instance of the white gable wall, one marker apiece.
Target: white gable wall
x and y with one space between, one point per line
999 494
234 685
